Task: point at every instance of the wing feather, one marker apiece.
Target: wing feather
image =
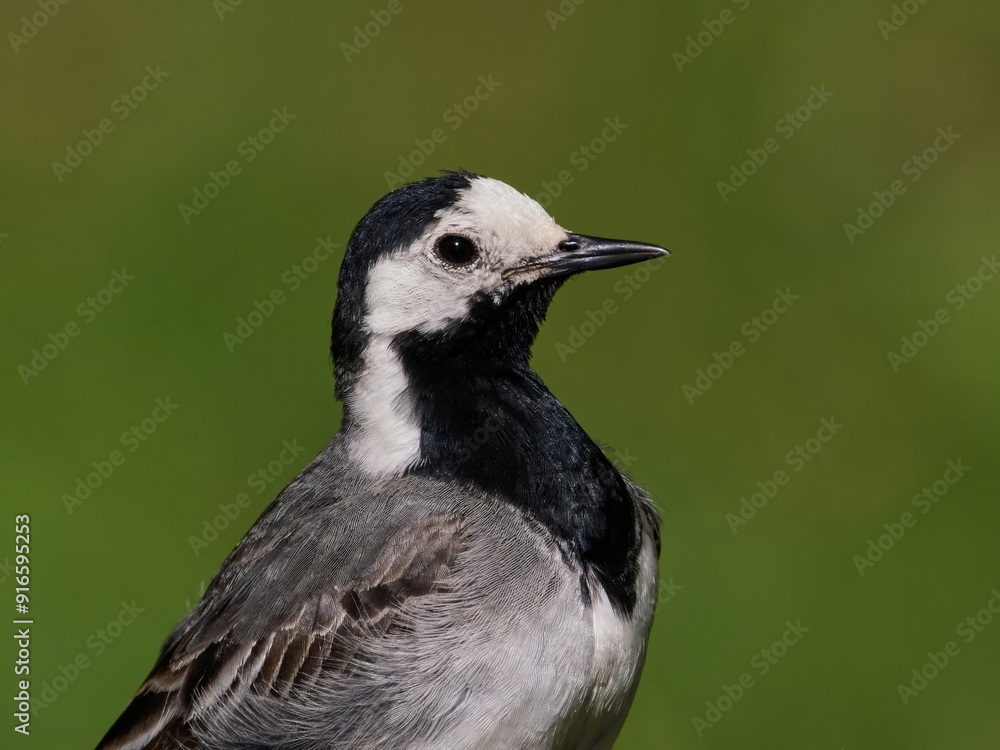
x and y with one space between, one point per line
205 669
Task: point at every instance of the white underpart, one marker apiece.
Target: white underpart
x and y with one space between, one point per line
619 650
411 289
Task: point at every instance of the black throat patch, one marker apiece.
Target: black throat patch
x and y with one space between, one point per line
488 419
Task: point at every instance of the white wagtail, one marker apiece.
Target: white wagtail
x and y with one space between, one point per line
462 566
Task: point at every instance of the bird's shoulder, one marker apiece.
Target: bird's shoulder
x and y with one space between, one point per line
334 560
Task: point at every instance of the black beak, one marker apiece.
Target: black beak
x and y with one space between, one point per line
578 252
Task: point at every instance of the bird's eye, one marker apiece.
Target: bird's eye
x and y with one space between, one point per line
457 250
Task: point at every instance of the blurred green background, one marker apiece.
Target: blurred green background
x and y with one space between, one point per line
687 110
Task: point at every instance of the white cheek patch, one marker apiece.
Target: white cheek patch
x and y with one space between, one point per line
412 293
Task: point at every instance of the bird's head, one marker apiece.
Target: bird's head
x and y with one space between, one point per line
458 263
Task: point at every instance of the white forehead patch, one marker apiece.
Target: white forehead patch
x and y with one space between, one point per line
499 214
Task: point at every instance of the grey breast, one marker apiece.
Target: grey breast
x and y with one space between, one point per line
490 647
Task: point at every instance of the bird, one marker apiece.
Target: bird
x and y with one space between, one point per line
462 566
